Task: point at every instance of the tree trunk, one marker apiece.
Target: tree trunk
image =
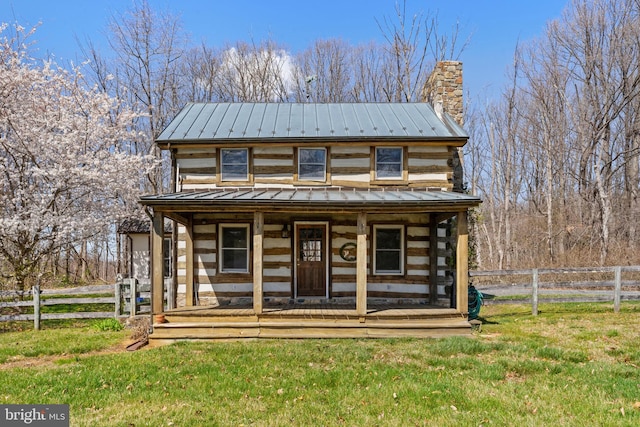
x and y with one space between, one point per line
83 261
549 200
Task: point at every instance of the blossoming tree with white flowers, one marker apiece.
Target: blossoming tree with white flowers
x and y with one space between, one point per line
65 169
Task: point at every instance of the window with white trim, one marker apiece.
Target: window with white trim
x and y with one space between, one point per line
234 248
389 162
167 258
234 164
312 164
388 244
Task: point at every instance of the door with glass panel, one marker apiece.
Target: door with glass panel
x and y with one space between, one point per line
311 260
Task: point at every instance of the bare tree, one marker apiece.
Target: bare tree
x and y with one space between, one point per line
413 45
323 72
200 70
369 74
597 43
576 102
546 119
251 72
148 47
500 183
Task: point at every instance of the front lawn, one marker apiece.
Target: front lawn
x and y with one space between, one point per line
573 365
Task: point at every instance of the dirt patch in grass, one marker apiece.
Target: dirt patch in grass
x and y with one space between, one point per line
61 359
137 328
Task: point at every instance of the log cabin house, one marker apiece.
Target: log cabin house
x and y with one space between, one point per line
313 220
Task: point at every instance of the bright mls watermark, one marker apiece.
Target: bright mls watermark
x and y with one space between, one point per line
34 415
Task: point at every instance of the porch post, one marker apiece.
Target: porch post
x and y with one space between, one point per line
258 233
157 278
462 264
433 258
189 296
361 265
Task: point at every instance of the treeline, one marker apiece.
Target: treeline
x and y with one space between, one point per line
556 159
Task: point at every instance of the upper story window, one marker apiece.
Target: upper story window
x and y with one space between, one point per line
312 164
234 164
234 248
389 163
388 248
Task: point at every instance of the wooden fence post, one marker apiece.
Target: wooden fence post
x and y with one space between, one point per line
534 293
35 292
132 297
118 298
617 289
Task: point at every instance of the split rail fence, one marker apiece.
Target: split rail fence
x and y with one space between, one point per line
597 284
559 285
129 298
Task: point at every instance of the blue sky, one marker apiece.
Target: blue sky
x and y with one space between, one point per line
495 26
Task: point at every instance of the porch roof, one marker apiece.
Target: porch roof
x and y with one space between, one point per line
326 199
245 122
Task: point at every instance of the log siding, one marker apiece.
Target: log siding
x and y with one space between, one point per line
278 259
347 165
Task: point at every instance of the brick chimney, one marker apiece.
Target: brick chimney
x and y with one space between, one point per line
444 87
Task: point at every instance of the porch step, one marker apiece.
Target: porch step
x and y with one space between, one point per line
221 330
216 315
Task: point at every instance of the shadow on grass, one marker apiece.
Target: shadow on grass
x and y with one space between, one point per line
487 322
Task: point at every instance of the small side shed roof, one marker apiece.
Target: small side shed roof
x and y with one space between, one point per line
139 226
243 122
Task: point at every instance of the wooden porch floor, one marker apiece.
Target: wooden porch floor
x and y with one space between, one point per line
309 320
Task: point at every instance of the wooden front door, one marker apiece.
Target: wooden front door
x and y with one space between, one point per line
311 262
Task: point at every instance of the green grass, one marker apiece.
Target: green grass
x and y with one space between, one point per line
573 365
107 325
77 340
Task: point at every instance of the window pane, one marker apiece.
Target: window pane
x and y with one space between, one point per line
307 155
234 156
388 238
388 261
234 259
389 170
234 237
234 172
387 155
310 244
166 255
311 172
311 250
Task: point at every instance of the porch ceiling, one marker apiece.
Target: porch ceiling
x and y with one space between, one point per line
313 200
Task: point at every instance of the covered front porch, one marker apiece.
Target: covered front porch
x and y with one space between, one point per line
364 311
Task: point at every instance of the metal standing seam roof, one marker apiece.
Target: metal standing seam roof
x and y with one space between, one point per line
139 226
219 122
311 196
